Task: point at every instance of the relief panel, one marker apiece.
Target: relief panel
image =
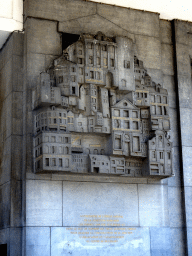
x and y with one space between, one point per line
97 111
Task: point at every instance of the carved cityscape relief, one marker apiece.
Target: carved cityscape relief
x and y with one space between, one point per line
96 110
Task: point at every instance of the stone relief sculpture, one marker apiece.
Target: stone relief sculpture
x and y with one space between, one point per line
97 110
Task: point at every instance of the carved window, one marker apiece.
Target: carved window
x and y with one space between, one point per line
73 69
161 155
168 155
104 48
153 154
66 162
66 151
53 161
158 99
98 61
91 74
98 76
90 59
134 114
47 161
126 124
53 139
123 83
136 143
164 99
53 149
126 64
116 112
90 46
152 98
153 110
105 62
112 63
81 71
159 110
66 140
80 61
126 113
73 90
73 78
117 141
135 125
60 162
60 79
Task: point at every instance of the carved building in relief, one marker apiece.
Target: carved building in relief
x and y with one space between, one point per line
97 111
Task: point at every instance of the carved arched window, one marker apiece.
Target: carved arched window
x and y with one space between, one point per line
123 83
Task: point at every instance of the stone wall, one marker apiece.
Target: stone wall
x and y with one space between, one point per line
63 213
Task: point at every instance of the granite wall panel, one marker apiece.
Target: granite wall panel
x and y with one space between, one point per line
92 24
160 241
99 199
175 180
5 207
43 203
153 205
165 31
187 165
167 59
42 37
149 51
169 85
186 122
176 217
38 241
64 242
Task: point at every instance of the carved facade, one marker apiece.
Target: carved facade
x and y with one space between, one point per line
97 110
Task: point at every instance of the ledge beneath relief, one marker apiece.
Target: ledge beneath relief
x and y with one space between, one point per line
73 177
98 177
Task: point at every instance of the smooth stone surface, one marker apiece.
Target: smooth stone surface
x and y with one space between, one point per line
169 85
43 203
160 241
187 165
93 24
189 242
153 205
15 241
178 243
165 31
62 11
175 180
183 61
5 208
137 22
175 207
65 243
185 93
42 37
174 127
5 173
167 59
188 206
99 199
149 51
186 123
37 241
